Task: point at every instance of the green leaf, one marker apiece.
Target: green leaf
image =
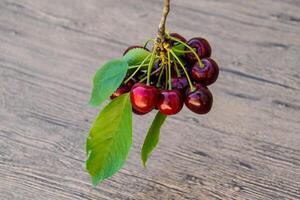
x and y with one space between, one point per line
107 79
110 139
136 56
152 137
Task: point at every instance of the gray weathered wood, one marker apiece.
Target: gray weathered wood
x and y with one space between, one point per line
248 147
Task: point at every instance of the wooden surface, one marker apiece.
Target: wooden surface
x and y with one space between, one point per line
248 147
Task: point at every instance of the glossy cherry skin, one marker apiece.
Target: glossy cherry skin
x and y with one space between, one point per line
133 47
199 101
202 48
130 83
143 97
121 90
206 75
169 102
180 83
177 36
136 112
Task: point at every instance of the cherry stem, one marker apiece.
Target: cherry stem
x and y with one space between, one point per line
158 69
167 76
135 66
151 40
160 38
186 73
139 67
150 66
162 25
191 49
159 77
177 70
180 51
169 68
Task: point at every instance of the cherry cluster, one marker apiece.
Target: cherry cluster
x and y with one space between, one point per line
179 74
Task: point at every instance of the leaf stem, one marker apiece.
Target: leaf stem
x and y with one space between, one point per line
186 73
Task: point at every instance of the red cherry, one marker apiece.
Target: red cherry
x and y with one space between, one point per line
121 90
137 112
206 75
177 36
143 97
170 102
133 47
199 101
202 48
180 83
130 83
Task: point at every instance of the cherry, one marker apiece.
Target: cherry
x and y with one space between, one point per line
133 47
202 48
180 83
206 75
143 97
170 102
137 112
130 83
177 36
121 90
199 101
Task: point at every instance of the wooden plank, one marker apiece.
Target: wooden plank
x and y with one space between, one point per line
246 148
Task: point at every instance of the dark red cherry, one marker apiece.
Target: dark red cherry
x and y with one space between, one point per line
180 83
130 83
143 97
206 75
199 101
169 102
133 47
137 112
177 36
121 90
202 48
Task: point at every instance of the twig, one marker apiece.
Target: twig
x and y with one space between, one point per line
162 25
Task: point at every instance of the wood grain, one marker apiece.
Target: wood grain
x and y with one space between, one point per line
248 147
